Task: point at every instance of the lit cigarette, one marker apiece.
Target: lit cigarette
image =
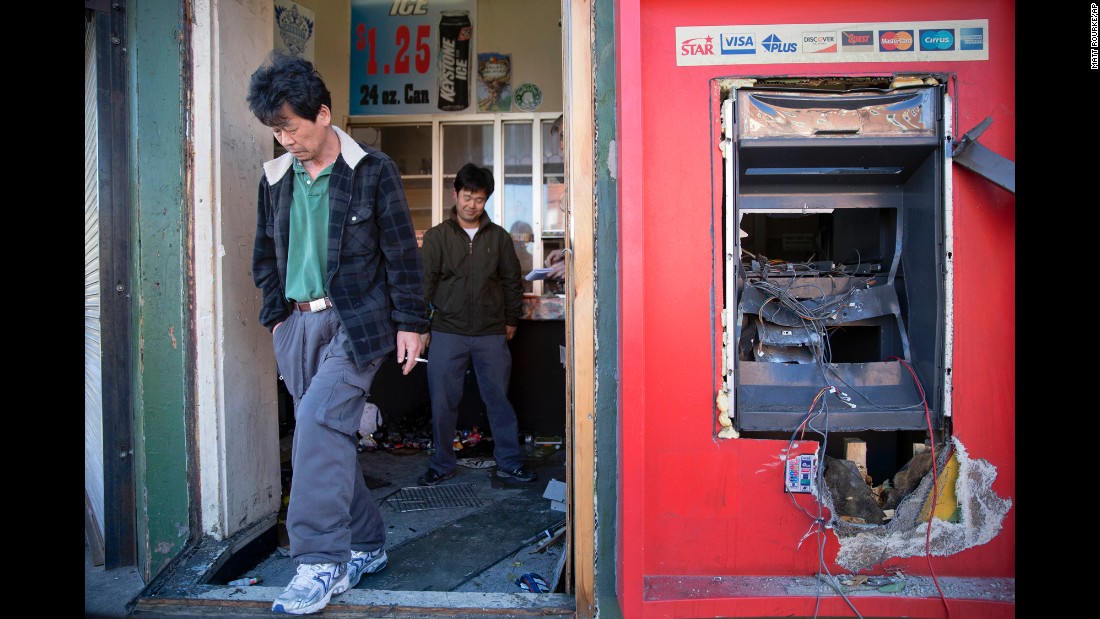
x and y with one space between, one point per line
422 359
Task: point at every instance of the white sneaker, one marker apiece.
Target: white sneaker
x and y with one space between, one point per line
364 563
311 588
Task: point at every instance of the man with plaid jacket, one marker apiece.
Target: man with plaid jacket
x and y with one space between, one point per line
336 258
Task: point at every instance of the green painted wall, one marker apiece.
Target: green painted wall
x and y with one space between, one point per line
156 48
607 310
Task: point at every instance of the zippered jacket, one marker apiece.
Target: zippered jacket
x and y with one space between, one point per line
373 274
473 287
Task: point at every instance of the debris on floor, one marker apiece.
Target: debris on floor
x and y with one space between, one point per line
544 445
555 491
476 463
533 582
858 582
546 537
368 425
483 542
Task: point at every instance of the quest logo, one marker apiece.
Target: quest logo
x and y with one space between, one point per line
857 41
895 40
937 40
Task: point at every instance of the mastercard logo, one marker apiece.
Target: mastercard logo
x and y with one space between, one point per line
895 41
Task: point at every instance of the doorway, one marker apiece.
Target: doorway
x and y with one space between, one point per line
238 542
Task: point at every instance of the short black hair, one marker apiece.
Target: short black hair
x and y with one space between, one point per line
474 178
284 79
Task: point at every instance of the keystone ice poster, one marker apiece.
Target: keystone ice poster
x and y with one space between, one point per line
412 56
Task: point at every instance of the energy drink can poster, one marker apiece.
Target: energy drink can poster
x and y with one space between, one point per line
397 58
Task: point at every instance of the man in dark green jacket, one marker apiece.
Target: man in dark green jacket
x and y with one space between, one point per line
475 290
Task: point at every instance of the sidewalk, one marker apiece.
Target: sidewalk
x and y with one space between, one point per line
106 593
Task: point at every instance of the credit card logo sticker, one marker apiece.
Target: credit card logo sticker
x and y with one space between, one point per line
971 39
737 43
697 46
937 40
777 46
819 42
857 41
895 40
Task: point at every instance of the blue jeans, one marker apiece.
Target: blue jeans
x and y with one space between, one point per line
449 357
330 511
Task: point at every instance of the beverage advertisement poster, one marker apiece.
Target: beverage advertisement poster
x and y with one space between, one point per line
412 56
494 82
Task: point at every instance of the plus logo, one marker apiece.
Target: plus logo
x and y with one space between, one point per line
776 45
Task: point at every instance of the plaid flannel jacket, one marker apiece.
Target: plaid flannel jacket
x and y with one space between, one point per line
374 274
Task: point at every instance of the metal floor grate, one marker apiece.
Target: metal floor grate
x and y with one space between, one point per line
417 498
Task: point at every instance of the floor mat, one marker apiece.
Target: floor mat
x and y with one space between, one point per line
417 498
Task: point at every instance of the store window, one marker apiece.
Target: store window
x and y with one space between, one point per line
555 197
527 166
410 146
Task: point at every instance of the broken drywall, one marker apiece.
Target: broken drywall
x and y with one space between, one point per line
981 511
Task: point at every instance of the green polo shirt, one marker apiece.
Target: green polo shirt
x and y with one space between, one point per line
307 255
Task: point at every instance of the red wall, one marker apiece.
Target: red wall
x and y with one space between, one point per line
691 504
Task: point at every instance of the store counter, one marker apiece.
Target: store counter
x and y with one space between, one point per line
537 390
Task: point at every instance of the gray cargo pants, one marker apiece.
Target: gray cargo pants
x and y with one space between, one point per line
331 511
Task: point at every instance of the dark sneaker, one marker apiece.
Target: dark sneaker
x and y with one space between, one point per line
365 563
519 474
432 477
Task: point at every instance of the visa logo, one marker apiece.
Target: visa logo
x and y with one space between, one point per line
737 43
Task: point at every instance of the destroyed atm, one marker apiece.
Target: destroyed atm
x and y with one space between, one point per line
834 215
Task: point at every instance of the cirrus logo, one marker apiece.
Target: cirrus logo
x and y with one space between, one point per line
895 40
937 40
